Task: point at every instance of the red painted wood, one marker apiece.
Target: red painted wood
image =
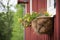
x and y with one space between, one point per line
57 26
28 6
42 4
28 29
28 33
35 5
33 35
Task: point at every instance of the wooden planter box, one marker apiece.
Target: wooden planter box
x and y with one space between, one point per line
43 25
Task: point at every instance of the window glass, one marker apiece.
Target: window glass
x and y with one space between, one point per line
54 3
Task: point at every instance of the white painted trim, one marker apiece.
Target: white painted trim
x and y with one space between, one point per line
30 6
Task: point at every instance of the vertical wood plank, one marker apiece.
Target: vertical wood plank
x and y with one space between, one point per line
57 26
28 33
28 29
34 9
33 35
28 6
42 4
34 5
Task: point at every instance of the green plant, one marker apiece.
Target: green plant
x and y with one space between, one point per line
27 18
18 29
6 26
6 21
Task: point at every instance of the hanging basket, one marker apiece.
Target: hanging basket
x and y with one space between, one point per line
43 25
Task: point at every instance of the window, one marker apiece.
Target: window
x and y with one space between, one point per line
54 3
51 7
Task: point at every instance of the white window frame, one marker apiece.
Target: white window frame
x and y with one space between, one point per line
50 7
30 6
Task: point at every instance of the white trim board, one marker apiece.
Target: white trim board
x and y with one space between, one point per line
30 6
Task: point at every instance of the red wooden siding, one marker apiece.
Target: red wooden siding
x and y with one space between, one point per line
28 6
29 32
35 5
28 29
57 25
42 4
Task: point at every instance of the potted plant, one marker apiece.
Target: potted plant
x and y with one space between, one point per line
40 22
27 19
43 24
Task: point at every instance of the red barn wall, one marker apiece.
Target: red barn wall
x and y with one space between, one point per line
57 25
37 5
28 6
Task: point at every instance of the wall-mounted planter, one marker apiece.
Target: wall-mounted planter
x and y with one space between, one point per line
43 25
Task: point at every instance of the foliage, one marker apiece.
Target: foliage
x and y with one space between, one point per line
27 18
6 21
5 26
18 30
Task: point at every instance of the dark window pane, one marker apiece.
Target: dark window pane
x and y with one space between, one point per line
54 3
